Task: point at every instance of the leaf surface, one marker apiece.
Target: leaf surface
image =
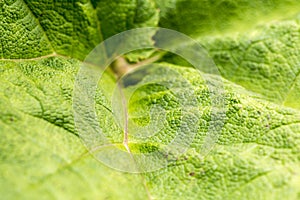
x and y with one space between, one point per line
256 155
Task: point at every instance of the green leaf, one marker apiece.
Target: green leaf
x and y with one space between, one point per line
267 57
41 155
254 41
122 15
257 152
258 147
256 155
35 28
219 17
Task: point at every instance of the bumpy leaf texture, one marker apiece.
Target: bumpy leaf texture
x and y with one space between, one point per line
255 45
